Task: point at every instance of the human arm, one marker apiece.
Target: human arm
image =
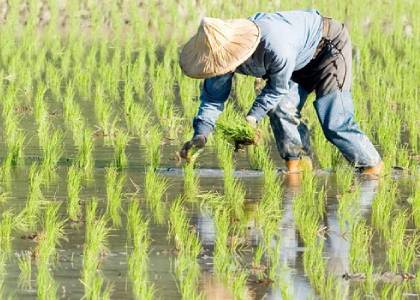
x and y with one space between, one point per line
281 64
214 93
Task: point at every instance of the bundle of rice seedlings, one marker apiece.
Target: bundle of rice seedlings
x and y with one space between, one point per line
237 132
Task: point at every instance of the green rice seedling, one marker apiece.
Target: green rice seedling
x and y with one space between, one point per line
114 187
392 291
269 213
409 253
191 182
237 131
52 233
128 98
178 223
334 288
53 150
135 218
258 256
398 252
137 73
327 155
25 267
153 147
222 254
172 123
307 205
414 200
44 130
187 243
84 159
40 107
257 156
344 177
162 101
137 121
277 271
46 286
15 139
361 237
103 112
73 118
347 211
54 79
179 228
187 90
383 204
74 186
155 187
239 288
403 158
234 192
29 216
244 91
138 232
6 227
314 265
71 110
95 246
48 239
187 271
120 143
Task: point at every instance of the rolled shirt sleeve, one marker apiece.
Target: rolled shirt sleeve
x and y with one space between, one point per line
214 93
277 86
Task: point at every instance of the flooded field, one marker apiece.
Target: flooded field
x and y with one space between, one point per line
279 275
95 204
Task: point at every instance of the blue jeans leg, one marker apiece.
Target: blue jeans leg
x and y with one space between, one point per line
336 114
291 134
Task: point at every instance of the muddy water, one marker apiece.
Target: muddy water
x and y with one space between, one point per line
67 272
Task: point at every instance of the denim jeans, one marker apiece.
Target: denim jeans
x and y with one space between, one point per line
329 75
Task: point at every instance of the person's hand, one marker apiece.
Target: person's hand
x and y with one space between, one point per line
252 121
198 142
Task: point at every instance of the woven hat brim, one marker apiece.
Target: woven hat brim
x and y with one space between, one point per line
193 62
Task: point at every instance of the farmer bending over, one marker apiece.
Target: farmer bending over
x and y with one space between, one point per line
297 52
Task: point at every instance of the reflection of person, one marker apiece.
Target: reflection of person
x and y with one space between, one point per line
337 245
213 289
339 239
297 52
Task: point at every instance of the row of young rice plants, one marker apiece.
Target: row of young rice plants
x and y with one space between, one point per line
308 210
138 260
188 246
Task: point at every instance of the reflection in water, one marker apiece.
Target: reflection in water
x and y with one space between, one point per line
205 228
214 289
338 239
290 270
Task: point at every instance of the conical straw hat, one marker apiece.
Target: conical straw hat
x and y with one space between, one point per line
218 47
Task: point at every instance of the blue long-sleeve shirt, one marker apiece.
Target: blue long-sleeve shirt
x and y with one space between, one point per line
288 42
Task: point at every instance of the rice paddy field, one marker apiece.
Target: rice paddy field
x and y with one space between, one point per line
95 204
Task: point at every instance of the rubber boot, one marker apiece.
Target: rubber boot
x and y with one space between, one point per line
373 171
299 165
294 170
